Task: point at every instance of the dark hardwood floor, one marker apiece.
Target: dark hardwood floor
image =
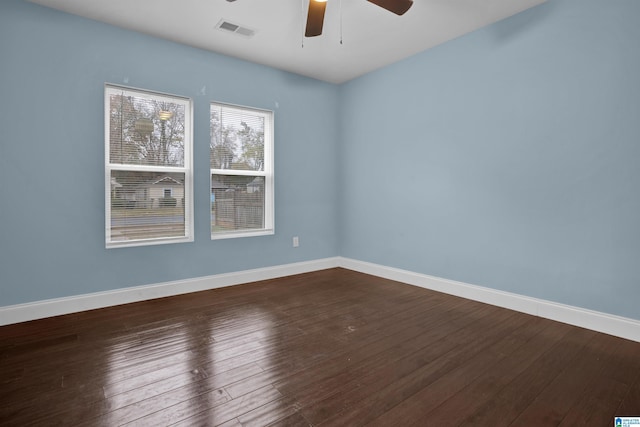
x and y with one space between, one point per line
329 348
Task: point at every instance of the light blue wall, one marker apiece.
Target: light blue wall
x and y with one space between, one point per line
53 67
508 158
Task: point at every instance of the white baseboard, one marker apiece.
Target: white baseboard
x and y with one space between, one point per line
597 321
58 306
602 322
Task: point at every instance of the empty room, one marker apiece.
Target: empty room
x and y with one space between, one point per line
320 213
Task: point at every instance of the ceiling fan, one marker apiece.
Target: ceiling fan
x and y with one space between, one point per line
315 16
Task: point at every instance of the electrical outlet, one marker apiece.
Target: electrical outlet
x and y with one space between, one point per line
296 242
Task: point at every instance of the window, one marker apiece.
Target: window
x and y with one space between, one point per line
148 144
241 157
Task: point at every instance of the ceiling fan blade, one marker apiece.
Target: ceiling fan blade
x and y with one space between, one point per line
315 18
399 7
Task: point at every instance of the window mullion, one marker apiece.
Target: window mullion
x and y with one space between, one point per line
231 172
146 168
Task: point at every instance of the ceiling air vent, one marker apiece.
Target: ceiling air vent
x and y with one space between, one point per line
225 25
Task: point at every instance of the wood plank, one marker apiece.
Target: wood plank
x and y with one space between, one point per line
478 392
551 406
630 405
512 399
293 420
333 347
323 394
352 354
462 361
178 403
213 415
178 384
599 404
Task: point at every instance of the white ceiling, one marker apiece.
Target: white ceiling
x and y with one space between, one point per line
372 37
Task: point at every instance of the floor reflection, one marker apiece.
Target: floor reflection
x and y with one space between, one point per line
216 366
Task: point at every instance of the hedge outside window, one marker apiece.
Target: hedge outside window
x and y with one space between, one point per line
241 158
148 173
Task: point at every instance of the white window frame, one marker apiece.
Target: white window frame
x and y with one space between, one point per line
186 169
267 173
